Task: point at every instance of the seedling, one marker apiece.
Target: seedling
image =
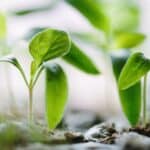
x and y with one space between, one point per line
135 68
119 36
45 46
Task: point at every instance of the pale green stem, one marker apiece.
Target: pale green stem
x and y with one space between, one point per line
37 75
31 85
144 100
30 105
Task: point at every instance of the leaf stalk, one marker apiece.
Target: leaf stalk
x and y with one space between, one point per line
145 100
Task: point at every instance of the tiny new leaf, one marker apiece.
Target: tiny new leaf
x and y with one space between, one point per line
128 40
56 94
80 60
12 60
136 67
93 12
130 99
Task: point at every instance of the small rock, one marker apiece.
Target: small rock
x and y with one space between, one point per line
133 141
104 133
74 137
78 120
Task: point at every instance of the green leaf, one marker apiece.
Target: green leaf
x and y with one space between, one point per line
128 40
49 44
28 11
80 60
131 102
3 28
130 99
56 94
124 15
135 68
93 12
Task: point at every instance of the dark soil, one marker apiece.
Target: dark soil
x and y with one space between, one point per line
141 130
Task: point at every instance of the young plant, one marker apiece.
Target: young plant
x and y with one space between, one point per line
119 36
47 45
136 67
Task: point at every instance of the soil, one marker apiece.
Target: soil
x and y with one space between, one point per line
80 133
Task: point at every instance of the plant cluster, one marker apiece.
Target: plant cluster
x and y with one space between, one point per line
119 37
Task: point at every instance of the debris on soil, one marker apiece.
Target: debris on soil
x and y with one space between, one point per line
74 137
103 133
141 130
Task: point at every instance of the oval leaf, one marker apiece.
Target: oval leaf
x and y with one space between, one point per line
128 40
56 94
80 60
93 12
135 68
49 44
131 102
130 99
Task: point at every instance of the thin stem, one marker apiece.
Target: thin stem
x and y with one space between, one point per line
144 99
37 76
30 105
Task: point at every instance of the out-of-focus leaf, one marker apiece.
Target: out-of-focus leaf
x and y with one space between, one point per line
124 15
3 28
56 94
130 98
128 40
96 38
48 45
4 48
28 11
80 60
93 11
136 67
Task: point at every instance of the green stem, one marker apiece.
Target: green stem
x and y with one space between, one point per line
30 105
144 99
37 76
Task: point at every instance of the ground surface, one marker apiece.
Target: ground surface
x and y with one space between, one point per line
78 131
